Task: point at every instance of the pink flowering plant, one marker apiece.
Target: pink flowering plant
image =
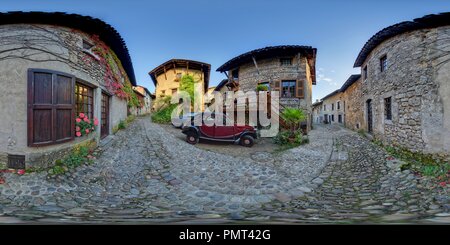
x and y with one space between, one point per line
84 125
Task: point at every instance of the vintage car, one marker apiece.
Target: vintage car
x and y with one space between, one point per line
229 132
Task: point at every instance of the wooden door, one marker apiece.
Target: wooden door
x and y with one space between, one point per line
369 116
105 116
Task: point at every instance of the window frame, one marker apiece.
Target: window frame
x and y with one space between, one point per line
388 108
365 72
383 63
293 94
92 105
290 63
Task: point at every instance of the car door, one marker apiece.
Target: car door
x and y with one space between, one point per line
227 131
207 129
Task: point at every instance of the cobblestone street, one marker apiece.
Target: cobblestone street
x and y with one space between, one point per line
145 174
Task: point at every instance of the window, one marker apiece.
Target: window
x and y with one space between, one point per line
163 93
340 118
332 118
174 91
286 61
266 84
332 107
51 108
388 108
288 89
84 100
344 106
338 105
365 72
235 75
324 107
87 46
383 63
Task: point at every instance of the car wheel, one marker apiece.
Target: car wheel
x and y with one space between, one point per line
247 141
192 138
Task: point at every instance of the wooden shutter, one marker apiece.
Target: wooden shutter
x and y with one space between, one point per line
300 89
276 86
51 108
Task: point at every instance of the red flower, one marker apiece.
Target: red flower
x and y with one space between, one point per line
77 129
78 120
78 134
86 120
443 184
95 121
21 171
81 115
87 131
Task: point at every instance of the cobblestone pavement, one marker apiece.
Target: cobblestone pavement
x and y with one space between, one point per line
147 175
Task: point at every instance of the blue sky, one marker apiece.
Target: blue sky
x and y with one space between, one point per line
216 31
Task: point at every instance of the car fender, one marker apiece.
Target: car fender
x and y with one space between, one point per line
187 129
244 133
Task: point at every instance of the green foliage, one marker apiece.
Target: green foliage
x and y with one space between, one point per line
261 87
285 140
425 164
362 133
130 119
122 125
293 116
162 102
164 115
76 158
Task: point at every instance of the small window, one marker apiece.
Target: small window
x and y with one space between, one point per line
340 118
286 61
332 107
235 74
388 108
288 89
324 107
365 72
84 100
332 118
87 45
163 93
178 77
338 105
383 63
174 91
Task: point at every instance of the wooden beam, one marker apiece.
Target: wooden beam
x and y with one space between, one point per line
256 65
174 68
201 75
165 75
187 68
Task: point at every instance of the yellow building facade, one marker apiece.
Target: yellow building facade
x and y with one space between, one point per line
167 76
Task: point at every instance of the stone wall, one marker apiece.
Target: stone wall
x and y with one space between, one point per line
354 107
416 79
270 70
62 51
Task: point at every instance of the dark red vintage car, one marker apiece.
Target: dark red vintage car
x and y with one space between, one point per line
244 135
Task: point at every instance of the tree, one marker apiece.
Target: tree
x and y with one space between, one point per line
293 116
187 85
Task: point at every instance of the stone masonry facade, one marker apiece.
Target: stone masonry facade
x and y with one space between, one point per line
63 52
270 71
416 80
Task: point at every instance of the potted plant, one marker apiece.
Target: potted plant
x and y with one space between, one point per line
261 87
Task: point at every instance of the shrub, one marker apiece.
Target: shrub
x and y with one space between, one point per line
164 116
122 125
261 87
284 138
293 117
76 158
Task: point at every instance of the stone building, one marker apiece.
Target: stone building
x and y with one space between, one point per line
351 102
53 67
147 105
333 108
289 69
317 112
405 90
167 76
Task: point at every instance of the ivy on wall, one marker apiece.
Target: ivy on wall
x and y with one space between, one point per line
116 79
